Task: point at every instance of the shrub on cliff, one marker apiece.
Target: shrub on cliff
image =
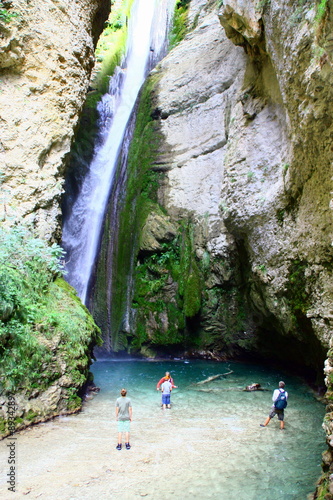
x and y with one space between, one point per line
179 23
27 266
45 331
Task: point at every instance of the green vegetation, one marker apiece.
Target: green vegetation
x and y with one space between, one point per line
42 322
174 305
5 15
226 309
262 268
174 263
141 196
285 167
168 286
111 46
297 283
168 289
280 214
109 54
322 7
189 278
180 22
323 492
297 294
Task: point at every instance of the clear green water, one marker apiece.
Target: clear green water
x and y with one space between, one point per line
211 435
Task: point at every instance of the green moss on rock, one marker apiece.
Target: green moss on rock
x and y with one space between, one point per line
180 22
168 290
297 292
158 284
46 335
140 187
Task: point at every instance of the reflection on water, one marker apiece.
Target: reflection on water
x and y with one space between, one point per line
215 427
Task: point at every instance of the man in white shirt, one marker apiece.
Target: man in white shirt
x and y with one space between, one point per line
277 411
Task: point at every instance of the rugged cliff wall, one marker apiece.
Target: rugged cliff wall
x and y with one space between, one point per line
241 163
243 172
291 234
234 137
47 335
46 57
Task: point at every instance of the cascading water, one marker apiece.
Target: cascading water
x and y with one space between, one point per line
148 27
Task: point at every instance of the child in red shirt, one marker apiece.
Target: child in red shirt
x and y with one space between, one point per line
163 379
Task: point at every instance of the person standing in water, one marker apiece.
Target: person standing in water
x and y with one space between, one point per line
124 417
166 388
167 376
279 398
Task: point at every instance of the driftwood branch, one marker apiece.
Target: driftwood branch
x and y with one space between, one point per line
213 377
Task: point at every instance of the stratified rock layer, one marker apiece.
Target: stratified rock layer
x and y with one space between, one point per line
247 156
46 57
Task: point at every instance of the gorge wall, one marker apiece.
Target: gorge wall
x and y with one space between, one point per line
46 58
47 335
235 251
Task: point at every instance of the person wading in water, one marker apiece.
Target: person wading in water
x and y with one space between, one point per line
167 376
279 398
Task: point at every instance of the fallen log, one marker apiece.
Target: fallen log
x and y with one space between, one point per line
213 377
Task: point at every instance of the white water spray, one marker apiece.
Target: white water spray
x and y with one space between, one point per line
81 231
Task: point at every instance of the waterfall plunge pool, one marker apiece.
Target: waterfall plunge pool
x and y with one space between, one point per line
211 441
209 445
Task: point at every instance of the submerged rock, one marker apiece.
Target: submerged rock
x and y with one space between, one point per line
253 387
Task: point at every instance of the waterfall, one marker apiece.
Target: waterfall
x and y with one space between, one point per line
147 41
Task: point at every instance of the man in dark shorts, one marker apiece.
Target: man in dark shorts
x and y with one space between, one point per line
276 411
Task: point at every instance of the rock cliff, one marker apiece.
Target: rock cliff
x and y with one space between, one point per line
46 57
241 106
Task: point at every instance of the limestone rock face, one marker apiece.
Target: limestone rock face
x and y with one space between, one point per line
295 221
198 85
242 22
157 229
248 156
46 56
246 106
